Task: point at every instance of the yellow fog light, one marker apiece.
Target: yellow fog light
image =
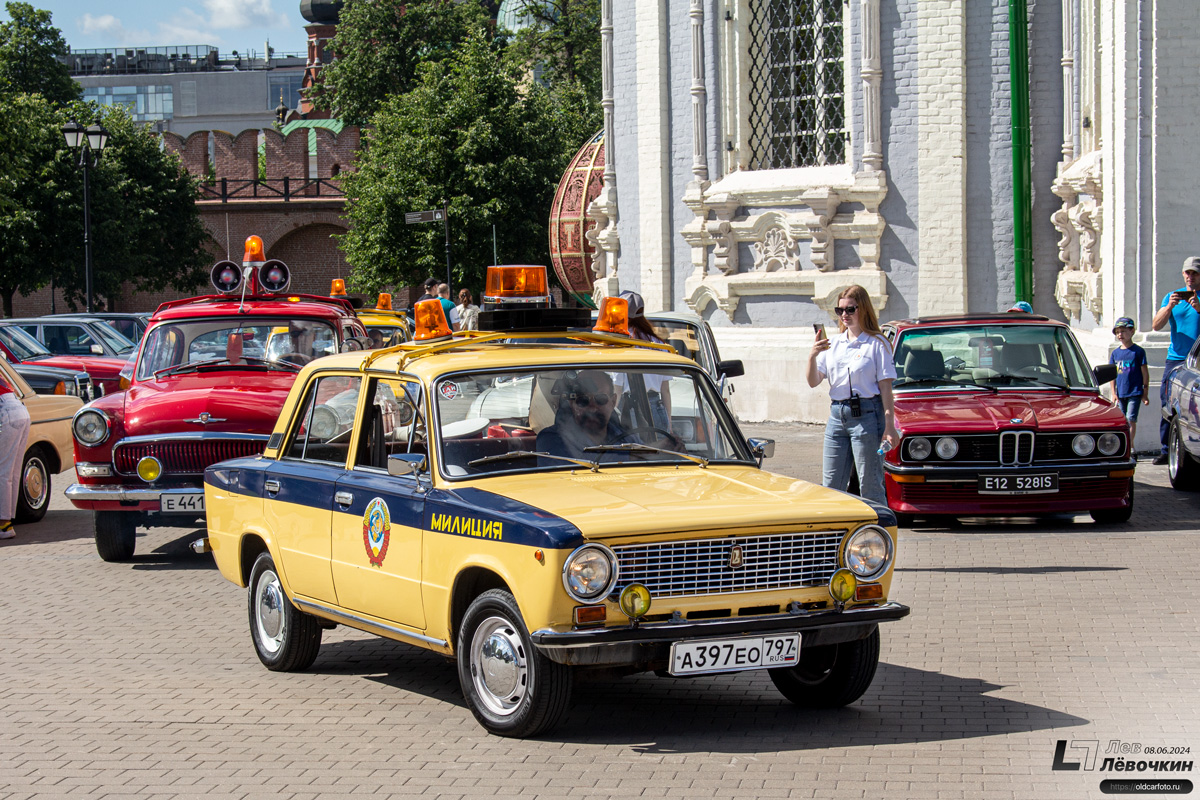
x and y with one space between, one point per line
635 600
149 469
842 584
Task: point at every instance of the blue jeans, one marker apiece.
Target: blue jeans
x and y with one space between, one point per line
1163 427
855 440
1130 406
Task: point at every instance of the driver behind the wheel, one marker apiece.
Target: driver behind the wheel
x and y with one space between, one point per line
584 418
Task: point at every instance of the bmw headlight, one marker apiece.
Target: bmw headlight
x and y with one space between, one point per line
919 448
90 427
947 447
590 573
324 423
1109 443
868 551
1083 445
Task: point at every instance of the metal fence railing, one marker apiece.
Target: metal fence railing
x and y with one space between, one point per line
228 190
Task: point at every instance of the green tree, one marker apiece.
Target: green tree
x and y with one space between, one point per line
29 46
467 133
562 43
146 232
379 46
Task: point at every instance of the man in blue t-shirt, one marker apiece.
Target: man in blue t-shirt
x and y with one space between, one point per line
1133 375
1180 309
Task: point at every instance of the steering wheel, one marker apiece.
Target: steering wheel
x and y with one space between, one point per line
675 442
1034 371
298 359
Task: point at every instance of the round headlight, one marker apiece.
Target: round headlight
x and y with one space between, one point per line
635 600
947 447
919 448
324 424
590 573
842 584
1083 445
868 551
1108 443
90 427
149 469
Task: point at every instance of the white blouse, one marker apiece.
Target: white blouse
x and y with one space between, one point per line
856 366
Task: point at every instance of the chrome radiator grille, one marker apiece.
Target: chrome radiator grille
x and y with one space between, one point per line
186 457
706 566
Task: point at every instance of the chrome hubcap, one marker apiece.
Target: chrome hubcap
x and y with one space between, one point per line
33 481
1173 451
268 611
499 668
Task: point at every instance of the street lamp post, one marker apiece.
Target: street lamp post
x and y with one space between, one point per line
90 144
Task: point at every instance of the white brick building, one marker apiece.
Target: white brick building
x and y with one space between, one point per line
898 174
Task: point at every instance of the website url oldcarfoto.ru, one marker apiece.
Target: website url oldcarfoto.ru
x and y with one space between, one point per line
1146 787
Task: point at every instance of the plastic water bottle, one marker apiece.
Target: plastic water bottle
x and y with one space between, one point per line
884 447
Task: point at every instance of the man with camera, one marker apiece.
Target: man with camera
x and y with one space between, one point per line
1181 310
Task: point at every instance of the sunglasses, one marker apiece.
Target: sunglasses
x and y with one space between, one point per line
840 310
584 400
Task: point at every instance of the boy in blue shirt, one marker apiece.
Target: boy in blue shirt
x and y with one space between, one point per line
1133 375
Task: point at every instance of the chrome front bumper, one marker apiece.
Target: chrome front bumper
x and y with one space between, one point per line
651 642
142 494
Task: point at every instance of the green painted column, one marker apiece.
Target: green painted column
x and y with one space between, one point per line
1018 66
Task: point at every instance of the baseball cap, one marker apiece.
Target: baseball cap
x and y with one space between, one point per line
1021 305
1123 322
430 282
1191 264
637 306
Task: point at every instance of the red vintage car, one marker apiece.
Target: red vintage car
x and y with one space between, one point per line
211 376
20 347
1000 415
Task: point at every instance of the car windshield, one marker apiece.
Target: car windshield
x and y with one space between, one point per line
271 343
990 356
112 337
22 344
495 421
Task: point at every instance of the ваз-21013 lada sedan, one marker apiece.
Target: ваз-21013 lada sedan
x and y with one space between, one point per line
576 530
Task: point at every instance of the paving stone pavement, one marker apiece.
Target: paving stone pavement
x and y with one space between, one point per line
139 680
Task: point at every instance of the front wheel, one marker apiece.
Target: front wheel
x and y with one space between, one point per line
285 638
116 534
831 675
511 688
1181 469
34 496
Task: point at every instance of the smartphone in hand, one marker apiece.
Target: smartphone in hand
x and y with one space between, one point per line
819 330
1186 296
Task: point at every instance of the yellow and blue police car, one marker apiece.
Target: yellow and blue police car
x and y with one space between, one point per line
543 498
385 325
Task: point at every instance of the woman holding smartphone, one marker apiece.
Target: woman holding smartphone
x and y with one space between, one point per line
858 365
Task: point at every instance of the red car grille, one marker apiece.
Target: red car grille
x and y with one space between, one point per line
924 494
185 457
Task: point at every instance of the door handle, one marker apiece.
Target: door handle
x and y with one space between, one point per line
343 498
271 486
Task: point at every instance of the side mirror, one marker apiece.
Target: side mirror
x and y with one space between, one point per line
97 350
761 448
405 464
731 369
1104 373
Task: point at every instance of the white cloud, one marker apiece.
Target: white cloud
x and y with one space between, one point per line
187 27
109 27
243 14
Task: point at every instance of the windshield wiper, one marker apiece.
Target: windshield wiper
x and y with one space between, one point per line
948 383
635 447
196 366
191 366
1062 386
515 454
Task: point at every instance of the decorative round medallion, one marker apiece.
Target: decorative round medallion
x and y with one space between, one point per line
570 251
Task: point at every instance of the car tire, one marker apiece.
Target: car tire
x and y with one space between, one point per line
510 687
116 534
33 497
831 675
285 638
905 520
1112 516
1182 469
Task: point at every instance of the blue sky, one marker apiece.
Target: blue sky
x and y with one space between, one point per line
241 25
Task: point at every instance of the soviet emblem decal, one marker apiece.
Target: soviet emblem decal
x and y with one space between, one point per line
735 556
450 390
377 531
